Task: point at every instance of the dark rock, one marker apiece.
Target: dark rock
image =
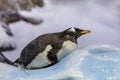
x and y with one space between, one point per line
32 21
29 4
39 3
9 12
7 47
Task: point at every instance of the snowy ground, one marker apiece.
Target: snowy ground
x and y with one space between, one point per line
95 62
102 17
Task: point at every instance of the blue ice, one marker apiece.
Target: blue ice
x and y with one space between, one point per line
94 62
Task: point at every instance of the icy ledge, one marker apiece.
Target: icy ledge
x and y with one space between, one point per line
95 62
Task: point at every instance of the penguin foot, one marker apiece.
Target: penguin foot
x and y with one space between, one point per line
19 65
52 58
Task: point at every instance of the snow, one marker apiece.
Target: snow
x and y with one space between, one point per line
93 62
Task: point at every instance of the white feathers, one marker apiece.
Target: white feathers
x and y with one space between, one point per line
72 29
41 59
67 48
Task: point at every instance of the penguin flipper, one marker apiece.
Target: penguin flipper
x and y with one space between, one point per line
52 56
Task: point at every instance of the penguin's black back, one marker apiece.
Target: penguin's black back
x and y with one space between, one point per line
38 45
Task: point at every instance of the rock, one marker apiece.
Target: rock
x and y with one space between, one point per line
29 4
9 9
32 21
39 3
22 4
9 13
95 62
7 5
6 42
8 17
25 4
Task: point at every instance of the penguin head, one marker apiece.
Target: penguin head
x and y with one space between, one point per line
74 33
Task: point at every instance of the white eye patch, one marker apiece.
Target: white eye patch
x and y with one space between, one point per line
72 29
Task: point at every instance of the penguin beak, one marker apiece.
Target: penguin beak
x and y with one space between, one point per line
85 32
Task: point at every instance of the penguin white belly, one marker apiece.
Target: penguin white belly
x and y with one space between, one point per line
41 59
67 48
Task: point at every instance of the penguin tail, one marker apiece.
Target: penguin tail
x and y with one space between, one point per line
4 59
18 64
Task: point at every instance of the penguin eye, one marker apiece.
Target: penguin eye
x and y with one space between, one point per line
71 33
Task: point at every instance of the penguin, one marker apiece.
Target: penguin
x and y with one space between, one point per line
48 49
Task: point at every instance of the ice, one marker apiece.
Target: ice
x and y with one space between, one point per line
94 62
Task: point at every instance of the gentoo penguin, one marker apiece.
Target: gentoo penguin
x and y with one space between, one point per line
48 49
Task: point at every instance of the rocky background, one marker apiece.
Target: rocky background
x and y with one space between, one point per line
9 13
22 4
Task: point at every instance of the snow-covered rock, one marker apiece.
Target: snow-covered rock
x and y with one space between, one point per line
95 62
6 41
